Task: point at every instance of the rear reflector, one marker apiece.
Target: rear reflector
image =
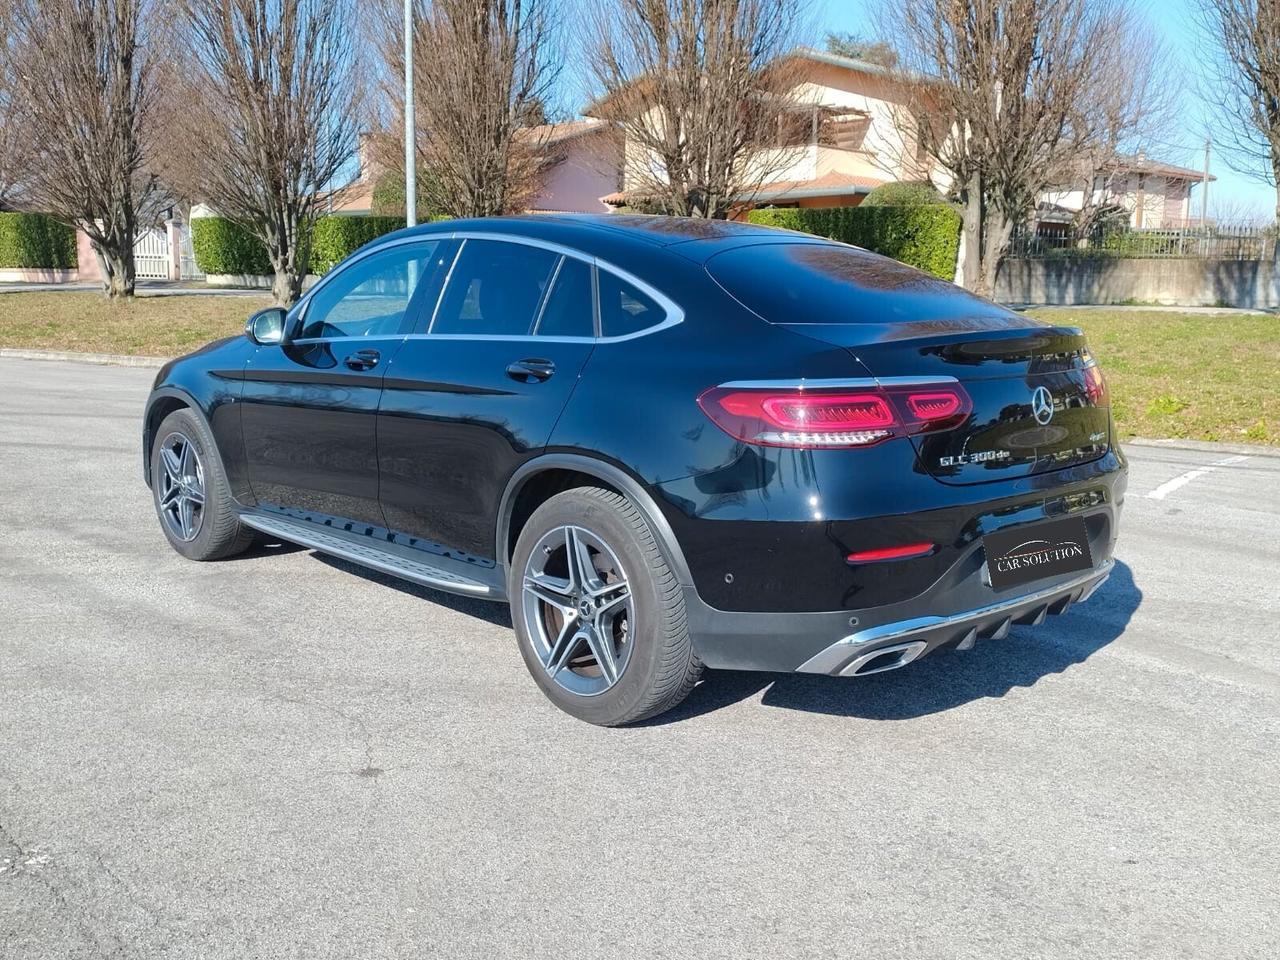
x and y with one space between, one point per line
891 553
834 417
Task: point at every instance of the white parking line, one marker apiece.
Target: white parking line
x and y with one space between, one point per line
1178 482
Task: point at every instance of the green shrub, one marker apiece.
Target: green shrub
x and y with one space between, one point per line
36 241
926 237
336 238
903 193
223 246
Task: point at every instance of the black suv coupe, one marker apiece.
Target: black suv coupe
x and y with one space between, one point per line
668 444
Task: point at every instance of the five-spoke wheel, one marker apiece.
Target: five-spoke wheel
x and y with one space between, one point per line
599 614
192 497
578 609
181 492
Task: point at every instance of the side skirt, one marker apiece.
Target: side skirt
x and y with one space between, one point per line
378 549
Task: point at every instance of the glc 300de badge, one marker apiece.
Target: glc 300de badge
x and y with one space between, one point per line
1042 405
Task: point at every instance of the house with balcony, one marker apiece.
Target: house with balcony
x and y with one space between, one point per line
842 139
1144 192
849 133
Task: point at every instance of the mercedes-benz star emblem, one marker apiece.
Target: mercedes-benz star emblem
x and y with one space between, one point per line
1042 405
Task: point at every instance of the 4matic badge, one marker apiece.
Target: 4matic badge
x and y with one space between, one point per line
982 456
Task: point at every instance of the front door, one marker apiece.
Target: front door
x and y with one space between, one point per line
479 389
310 405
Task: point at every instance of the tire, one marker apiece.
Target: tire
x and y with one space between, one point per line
216 530
634 607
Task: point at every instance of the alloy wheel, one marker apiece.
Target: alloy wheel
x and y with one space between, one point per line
181 493
578 610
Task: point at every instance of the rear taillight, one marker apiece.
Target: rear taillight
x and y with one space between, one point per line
834 416
1095 386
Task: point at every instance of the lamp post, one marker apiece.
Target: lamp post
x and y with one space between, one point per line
410 164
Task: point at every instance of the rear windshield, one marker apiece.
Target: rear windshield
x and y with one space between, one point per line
830 283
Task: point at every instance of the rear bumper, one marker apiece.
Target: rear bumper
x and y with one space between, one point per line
958 609
896 644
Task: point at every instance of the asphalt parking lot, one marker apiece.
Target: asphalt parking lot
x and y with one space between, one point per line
282 756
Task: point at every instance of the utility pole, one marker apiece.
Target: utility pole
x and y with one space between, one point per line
1204 189
410 153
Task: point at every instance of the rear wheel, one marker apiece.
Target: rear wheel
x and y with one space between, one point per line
598 613
191 493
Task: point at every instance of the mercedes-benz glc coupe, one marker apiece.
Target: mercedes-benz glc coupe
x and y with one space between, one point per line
667 444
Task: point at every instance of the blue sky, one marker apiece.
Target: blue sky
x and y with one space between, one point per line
1233 194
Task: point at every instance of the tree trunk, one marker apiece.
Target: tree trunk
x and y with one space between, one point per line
117 271
995 243
971 225
286 288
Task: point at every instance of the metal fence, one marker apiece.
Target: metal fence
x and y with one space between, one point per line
1212 242
187 253
151 257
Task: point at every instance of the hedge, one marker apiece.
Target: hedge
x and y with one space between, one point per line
223 246
903 193
37 241
336 238
925 237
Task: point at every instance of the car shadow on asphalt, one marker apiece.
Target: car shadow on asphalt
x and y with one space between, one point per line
943 680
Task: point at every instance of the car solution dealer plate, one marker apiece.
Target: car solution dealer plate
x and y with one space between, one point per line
1037 551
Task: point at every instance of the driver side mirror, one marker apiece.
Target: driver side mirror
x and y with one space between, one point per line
266 327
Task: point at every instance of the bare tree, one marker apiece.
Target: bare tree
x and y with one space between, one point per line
484 71
710 105
85 86
272 117
14 139
1245 35
1015 97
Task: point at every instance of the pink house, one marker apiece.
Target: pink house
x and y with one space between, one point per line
584 161
585 165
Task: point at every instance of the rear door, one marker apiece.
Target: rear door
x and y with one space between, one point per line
479 386
310 405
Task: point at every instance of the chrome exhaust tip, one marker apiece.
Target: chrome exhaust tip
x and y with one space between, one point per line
884 658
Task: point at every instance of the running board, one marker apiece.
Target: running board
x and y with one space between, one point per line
360 549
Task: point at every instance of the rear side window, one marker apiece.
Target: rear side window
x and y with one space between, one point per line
624 309
495 289
570 307
826 283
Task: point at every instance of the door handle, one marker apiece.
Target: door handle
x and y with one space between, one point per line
363 360
531 370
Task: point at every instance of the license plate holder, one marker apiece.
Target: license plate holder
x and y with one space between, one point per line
1033 552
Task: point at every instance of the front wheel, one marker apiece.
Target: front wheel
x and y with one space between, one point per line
192 497
599 615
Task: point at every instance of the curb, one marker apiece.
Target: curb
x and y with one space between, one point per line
70 356
1205 446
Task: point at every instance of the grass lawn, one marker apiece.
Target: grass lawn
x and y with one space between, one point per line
1199 376
145 326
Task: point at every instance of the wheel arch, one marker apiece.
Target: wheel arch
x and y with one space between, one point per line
161 403
552 473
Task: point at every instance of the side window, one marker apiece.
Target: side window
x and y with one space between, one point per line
624 309
495 289
370 297
570 308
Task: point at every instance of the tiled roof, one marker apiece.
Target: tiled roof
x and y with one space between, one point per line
557 132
